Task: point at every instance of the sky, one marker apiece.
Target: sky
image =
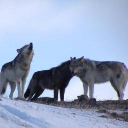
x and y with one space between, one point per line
95 29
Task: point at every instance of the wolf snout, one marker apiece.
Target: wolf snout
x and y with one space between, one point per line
72 72
31 43
31 46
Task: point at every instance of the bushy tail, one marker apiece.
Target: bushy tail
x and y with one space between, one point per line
125 77
3 85
31 86
27 93
4 89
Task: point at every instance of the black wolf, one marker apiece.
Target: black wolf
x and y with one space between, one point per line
56 79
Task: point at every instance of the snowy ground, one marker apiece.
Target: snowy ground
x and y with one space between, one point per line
19 114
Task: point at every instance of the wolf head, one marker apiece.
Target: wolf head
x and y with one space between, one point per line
27 49
76 65
26 52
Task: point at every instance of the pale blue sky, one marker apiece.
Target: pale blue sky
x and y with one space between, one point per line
96 29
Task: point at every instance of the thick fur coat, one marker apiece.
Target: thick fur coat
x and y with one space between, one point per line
56 79
16 71
91 72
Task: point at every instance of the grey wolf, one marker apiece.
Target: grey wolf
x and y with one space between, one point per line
95 72
16 71
56 79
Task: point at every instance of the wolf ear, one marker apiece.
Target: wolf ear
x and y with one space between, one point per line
82 59
72 58
18 50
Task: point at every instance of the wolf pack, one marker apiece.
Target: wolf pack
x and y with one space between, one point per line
57 78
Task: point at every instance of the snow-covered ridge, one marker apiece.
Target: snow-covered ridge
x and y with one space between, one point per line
19 114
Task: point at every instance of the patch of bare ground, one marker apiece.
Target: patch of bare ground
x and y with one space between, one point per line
110 108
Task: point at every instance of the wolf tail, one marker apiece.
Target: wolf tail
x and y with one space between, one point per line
3 84
4 89
26 95
31 86
126 77
125 71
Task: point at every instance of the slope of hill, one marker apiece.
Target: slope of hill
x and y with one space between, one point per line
19 114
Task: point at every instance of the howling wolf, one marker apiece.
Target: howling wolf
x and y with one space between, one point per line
56 78
91 72
16 71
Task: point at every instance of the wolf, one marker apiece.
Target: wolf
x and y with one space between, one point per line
56 79
16 71
95 72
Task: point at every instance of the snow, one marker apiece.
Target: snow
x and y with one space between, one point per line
20 114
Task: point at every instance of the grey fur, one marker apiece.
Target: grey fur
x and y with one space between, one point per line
91 72
16 71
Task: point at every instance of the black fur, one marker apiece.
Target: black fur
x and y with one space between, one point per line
56 79
3 91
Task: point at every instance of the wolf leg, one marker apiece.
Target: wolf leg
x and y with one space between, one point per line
13 87
62 91
85 87
22 87
116 85
19 89
38 93
91 90
56 94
